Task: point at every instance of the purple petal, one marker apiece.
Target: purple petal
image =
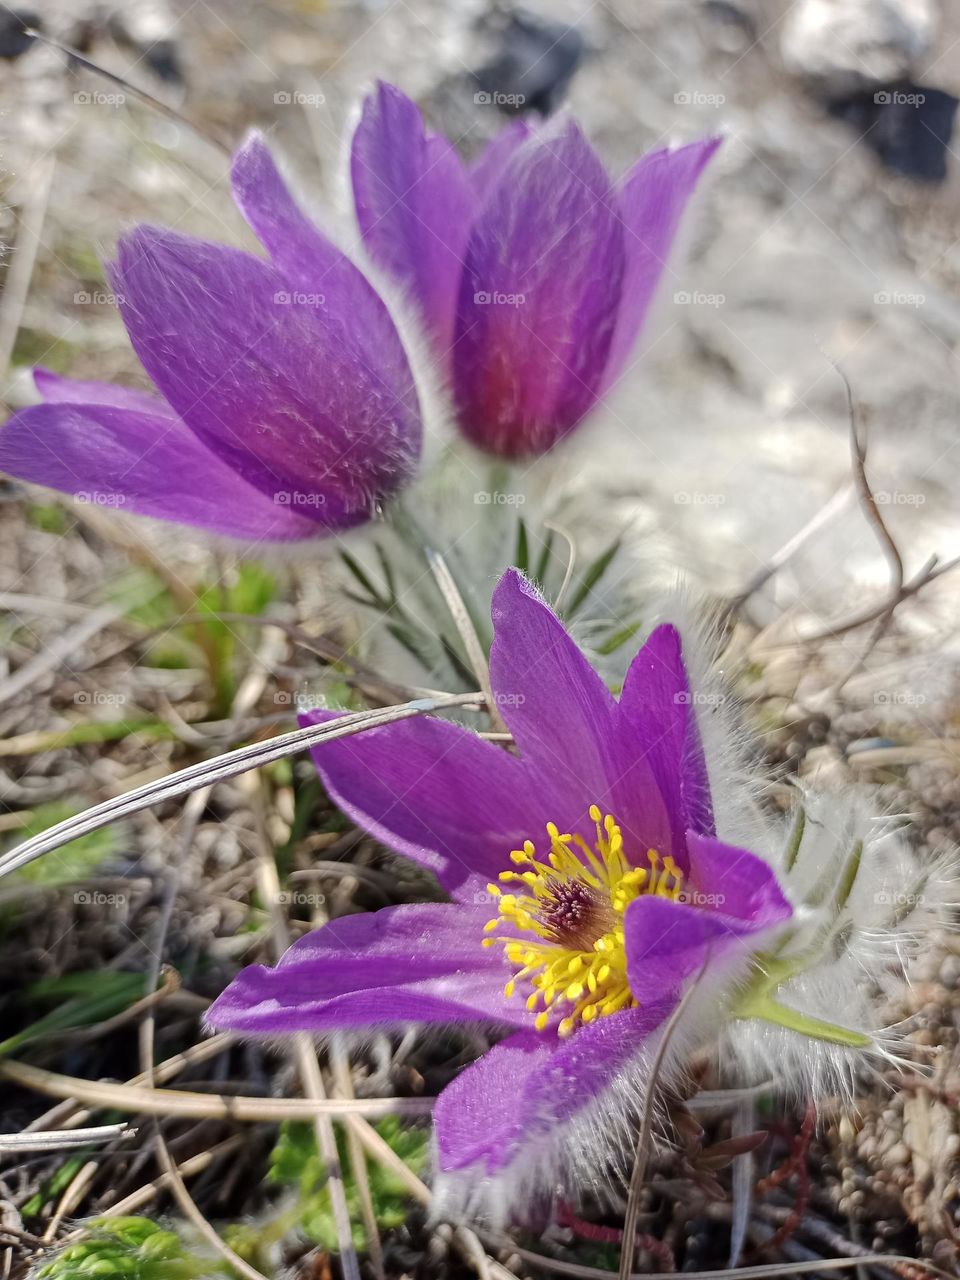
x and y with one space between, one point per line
743 884
731 897
267 384
657 708
523 1089
414 204
57 390
345 301
653 197
487 169
539 297
422 963
438 794
566 722
149 464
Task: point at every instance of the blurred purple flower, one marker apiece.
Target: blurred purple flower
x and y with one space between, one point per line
532 272
287 406
596 931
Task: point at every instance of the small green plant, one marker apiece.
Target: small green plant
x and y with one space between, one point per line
296 1163
128 1249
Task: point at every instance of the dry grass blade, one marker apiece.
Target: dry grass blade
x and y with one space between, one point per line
773 1270
20 272
642 1156
209 772
202 1106
471 641
304 1053
57 1140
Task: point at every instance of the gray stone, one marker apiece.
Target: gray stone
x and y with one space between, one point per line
850 45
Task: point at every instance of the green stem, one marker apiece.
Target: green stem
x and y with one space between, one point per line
770 1010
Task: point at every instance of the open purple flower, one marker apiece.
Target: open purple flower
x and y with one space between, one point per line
287 406
533 272
588 889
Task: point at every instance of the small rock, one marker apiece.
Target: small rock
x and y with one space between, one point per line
533 65
849 45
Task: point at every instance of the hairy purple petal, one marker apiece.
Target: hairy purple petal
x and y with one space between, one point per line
439 794
264 382
58 390
657 709
653 198
419 963
731 897
538 297
744 885
488 168
148 463
504 1106
414 204
566 722
344 300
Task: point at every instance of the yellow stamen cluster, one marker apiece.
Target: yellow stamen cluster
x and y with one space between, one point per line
573 904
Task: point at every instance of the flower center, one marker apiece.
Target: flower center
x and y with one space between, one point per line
572 906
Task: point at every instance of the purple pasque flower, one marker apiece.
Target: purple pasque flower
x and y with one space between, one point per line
286 405
532 270
587 885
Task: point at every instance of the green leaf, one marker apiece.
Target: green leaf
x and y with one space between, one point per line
377 598
617 639
521 555
91 997
591 577
540 572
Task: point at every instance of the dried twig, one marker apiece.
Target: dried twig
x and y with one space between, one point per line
818 521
